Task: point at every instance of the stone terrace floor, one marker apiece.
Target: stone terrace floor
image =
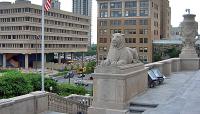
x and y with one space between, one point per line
179 94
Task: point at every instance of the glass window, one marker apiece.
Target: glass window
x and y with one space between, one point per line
116 13
130 13
130 4
145 49
143 31
103 23
103 5
144 12
103 14
145 40
140 49
130 31
144 3
130 22
144 22
116 5
115 23
141 40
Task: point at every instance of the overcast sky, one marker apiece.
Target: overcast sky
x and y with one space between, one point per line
177 6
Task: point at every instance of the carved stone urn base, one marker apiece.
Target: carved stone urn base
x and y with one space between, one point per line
188 52
115 86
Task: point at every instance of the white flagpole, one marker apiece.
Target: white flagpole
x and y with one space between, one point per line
43 1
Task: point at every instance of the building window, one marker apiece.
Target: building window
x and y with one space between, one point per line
144 12
130 22
130 13
143 40
130 31
130 40
103 40
103 5
116 5
145 49
143 22
115 22
143 31
116 13
140 49
103 23
130 4
103 14
112 31
144 3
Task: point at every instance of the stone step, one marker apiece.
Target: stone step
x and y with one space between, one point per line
132 104
51 112
139 108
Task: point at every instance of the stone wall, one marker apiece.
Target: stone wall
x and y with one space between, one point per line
33 103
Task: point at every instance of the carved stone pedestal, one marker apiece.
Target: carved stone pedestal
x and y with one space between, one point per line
188 52
114 86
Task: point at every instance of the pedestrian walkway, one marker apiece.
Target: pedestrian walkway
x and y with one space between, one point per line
180 94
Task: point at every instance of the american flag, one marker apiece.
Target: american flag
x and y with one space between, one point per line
47 5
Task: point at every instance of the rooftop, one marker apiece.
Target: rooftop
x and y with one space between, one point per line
179 94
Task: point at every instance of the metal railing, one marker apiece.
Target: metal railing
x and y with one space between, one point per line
63 105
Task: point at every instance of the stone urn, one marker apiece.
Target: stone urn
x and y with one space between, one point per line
189 32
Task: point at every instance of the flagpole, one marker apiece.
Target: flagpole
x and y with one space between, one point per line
42 52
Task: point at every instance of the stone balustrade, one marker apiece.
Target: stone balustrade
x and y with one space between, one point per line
87 100
168 66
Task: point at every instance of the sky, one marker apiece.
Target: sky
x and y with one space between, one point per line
177 8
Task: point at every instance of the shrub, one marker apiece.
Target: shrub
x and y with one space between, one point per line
67 89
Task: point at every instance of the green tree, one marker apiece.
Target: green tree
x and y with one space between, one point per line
173 52
157 57
90 67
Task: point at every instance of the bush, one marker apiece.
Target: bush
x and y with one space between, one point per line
17 84
67 89
11 86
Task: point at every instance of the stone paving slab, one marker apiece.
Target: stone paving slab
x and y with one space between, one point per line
180 94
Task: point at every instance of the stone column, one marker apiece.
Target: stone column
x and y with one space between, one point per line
4 60
26 61
59 58
45 57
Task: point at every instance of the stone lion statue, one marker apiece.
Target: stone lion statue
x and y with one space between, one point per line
119 54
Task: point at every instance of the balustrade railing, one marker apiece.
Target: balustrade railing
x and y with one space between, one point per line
63 105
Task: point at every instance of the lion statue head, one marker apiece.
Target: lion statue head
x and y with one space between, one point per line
117 41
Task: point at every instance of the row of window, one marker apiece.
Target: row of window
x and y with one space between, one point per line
127 40
120 22
141 49
35 37
126 31
128 4
38 11
127 13
39 46
38 20
35 28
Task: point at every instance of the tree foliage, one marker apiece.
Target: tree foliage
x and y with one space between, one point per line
17 84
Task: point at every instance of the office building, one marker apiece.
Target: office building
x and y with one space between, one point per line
20 33
139 20
83 7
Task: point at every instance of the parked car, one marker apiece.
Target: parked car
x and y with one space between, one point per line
152 79
159 75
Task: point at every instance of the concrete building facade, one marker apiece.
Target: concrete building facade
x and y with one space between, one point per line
83 7
20 33
139 20
165 19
